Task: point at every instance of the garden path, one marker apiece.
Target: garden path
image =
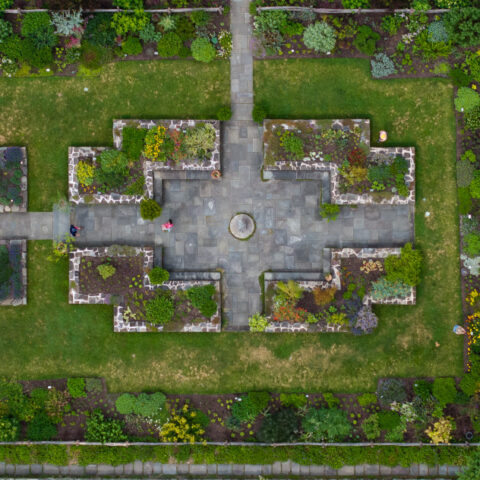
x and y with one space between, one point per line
31 225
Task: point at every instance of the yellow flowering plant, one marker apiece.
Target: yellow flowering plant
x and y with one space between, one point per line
473 297
154 142
85 173
183 427
473 333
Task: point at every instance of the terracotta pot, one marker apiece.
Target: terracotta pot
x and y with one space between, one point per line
216 174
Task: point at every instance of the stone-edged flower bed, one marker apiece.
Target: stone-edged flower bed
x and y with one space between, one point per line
358 174
119 276
179 155
13 272
125 174
13 179
341 300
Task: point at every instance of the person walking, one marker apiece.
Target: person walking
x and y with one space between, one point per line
74 230
167 226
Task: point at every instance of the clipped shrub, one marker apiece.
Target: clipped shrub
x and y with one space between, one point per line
201 298
388 420
469 155
38 27
356 4
41 428
405 267
466 99
444 390
470 384
149 405
125 403
320 36
367 399
366 40
94 56
258 323
132 46
371 427
391 390
203 50
330 211
169 45
100 429
459 78
224 114
148 34
382 66
9 429
472 470
158 275
76 387
282 426
465 173
106 270
150 209
259 113
133 140
160 309
295 400
326 424
85 173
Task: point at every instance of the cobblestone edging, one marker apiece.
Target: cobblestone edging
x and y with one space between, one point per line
368 253
119 324
228 470
316 163
74 195
213 162
149 168
335 264
15 302
23 185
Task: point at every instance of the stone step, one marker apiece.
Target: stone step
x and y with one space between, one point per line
326 259
297 276
184 276
158 189
183 175
158 256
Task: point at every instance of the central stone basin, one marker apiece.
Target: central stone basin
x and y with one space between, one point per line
242 226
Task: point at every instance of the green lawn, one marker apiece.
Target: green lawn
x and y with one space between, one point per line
49 338
49 114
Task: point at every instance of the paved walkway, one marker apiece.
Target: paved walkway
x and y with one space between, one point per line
278 469
32 225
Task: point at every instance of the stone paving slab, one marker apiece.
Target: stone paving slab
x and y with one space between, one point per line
31 225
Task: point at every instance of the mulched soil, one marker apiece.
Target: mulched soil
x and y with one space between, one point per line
218 408
118 284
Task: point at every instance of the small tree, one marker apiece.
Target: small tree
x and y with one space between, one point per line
158 275
150 209
203 50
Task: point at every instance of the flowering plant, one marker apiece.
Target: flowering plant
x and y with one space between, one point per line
473 332
288 313
183 426
154 144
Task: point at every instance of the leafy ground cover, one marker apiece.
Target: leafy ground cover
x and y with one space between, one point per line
49 114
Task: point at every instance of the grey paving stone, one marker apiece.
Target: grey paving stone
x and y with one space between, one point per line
22 470
9 469
91 469
198 469
183 468
238 469
128 468
224 469
137 467
106 470
2 468
169 469
372 469
119 470
49 469
35 469
253 470
346 470
76 470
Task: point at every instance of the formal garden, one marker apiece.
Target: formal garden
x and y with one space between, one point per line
68 41
245 387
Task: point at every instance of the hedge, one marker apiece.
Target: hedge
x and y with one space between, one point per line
334 457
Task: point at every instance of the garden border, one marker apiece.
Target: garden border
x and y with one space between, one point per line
23 207
16 302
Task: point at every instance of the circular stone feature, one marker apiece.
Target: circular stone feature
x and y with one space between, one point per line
242 226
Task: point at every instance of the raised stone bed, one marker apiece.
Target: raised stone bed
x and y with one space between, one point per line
213 163
74 195
182 170
17 189
17 294
119 324
310 280
316 162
